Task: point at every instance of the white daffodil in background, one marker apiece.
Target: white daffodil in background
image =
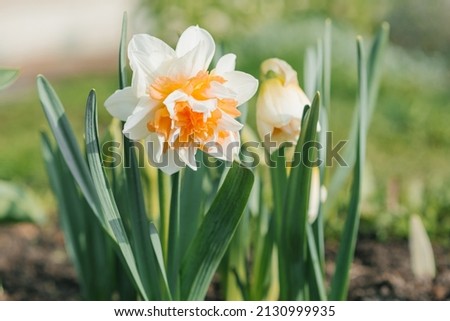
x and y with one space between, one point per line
177 105
317 195
280 103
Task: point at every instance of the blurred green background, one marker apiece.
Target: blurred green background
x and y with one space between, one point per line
409 140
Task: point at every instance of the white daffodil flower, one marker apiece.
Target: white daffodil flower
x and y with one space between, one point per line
176 105
280 103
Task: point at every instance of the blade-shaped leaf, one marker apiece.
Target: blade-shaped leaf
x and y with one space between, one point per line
339 285
70 228
191 207
173 260
314 260
373 78
208 247
110 213
144 252
123 54
89 248
279 181
156 242
67 142
297 204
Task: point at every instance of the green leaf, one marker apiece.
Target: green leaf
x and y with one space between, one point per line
173 262
68 200
279 182
209 245
296 206
373 79
373 67
339 284
123 82
156 242
263 257
140 225
67 142
136 214
163 188
112 220
7 77
317 272
191 209
89 248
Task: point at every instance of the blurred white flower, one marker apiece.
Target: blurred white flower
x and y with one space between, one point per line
177 105
280 103
317 195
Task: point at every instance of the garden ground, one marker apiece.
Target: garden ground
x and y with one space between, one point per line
34 266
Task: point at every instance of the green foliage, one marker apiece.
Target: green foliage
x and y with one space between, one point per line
91 251
296 244
218 227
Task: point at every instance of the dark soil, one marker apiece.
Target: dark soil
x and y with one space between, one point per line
34 266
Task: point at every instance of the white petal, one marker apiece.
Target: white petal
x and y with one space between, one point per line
226 63
196 48
282 69
191 38
140 82
135 127
241 83
154 143
147 53
277 104
229 123
304 100
220 91
172 99
171 162
187 66
173 135
187 155
263 127
232 146
227 150
203 106
122 103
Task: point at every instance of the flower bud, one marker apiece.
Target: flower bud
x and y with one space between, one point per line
280 103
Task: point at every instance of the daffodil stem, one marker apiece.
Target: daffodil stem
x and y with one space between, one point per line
174 233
